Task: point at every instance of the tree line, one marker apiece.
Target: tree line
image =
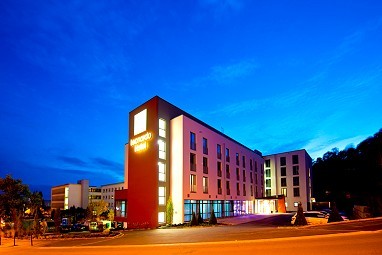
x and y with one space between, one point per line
351 177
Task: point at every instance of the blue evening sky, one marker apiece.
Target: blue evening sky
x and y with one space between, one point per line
274 75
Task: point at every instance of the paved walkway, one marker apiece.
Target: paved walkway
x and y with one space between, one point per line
243 219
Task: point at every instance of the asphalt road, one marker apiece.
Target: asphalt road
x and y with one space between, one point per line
268 228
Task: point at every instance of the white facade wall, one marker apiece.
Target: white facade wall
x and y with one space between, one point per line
181 127
108 193
304 182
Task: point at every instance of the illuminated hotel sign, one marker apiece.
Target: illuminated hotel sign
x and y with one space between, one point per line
140 143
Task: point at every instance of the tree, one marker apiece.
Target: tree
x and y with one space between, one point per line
300 218
14 198
212 220
194 221
200 218
97 208
334 215
36 202
169 211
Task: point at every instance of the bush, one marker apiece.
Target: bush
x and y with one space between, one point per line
300 218
334 215
194 221
200 219
212 220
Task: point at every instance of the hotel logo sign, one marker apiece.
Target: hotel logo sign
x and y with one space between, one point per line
140 143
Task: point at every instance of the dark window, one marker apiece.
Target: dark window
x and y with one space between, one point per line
244 190
267 172
296 192
237 174
244 178
268 193
238 189
256 166
205 165
296 181
219 151
243 158
294 159
192 141
219 186
237 159
205 146
219 166
256 178
283 182
268 163
227 173
250 164
192 162
251 191
227 154
283 171
251 177
268 183
228 188
295 170
283 161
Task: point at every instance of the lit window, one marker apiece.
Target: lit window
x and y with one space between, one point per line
162 171
162 195
161 217
140 122
162 128
162 149
193 183
284 191
205 184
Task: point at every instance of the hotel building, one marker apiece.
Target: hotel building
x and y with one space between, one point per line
173 155
107 192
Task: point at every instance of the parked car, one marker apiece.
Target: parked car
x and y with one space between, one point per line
79 227
313 217
328 211
65 228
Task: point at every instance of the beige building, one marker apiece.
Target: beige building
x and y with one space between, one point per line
287 174
79 195
108 192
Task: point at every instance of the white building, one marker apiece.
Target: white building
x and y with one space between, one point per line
287 174
108 192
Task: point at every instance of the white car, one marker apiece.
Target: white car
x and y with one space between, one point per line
313 218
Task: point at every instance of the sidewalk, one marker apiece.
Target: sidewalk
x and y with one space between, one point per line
8 242
236 220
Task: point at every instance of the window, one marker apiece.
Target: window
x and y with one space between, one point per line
267 172
227 174
219 151
205 146
244 190
268 193
296 181
268 183
162 128
255 178
120 208
140 122
250 164
162 171
283 161
205 185
161 217
284 191
294 159
192 162
237 174
244 178
219 167
162 149
296 192
268 163
205 165
227 154
162 195
228 188
295 170
251 191
283 171
250 177
238 189
193 183
192 141
237 159
243 158
283 182
219 186
255 166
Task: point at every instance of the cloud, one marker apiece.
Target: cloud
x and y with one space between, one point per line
105 163
72 160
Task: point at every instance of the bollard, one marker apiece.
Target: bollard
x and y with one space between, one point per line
14 240
31 240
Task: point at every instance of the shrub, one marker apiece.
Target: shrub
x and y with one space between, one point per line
300 218
194 221
212 220
334 215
